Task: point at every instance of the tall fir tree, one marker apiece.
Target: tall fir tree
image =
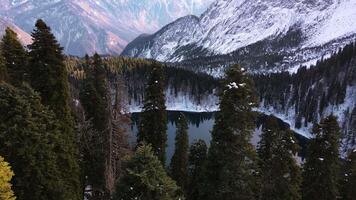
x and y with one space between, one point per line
321 169
231 164
6 175
348 191
95 98
49 77
15 57
3 69
153 121
29 136
280 174
145 178
179 162
197 158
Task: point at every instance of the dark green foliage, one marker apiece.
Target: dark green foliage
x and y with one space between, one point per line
321 169
30 141
95 99
49 77
153 124
311 91
179 162
197 158
3 69
231 164
15 58
348 191
146 179
177 81
280 174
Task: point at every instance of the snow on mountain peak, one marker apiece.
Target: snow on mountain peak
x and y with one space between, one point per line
230 25
105 26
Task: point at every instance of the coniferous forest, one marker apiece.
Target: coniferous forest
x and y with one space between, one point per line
65 126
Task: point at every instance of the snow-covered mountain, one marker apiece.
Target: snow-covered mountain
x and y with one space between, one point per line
105 26
294 32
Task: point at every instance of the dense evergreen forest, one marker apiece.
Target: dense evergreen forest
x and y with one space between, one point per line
312 94
64 127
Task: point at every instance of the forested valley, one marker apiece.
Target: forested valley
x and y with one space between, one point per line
65 121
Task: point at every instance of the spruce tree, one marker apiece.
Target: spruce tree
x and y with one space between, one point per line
3 69
349 177
231 164
96 102
153 120
321 169
49 77
15 58
29 136
280 174
179 162
6 175
197 158
146 179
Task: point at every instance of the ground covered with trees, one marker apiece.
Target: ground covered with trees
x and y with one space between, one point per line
64 129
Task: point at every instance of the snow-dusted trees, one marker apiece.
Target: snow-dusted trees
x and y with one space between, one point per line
321 169
280 174
145 178
153 122
231 163
348 191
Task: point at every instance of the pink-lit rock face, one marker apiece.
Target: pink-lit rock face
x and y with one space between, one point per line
24 37
105 26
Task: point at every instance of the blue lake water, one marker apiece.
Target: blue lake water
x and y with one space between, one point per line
200 127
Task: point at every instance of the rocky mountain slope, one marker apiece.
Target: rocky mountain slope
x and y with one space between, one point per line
265 35
24 37
106 26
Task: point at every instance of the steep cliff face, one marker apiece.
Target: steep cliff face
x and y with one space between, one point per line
280 34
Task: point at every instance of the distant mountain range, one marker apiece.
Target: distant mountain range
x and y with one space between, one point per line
105 26
264 35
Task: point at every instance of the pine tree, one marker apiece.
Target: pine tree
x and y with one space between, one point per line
6 175
3 69
349 177
179 163
280 174
146 179
95 98
15 58
153 124
49 77
197 158
29 136
321 169
231 164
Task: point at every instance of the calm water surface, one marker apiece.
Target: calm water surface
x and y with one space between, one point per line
200 127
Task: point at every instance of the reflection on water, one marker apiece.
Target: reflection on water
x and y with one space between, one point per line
200 127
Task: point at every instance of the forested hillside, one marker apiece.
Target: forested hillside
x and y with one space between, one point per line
184 89
311 94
